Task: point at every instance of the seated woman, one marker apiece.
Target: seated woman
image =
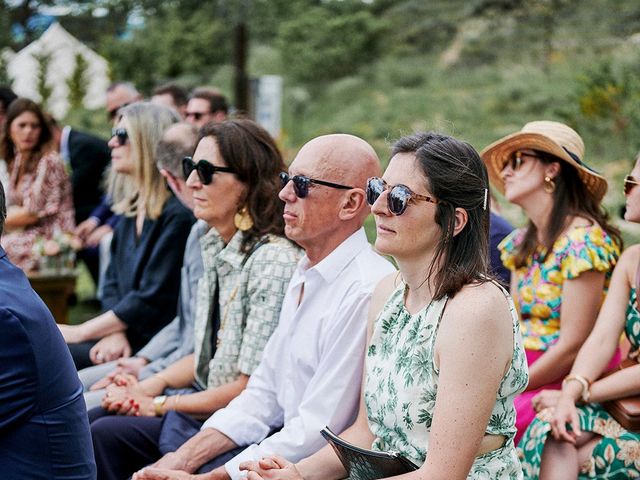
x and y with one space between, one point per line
143 278
39 201
562 260
431 392
247 267
595 445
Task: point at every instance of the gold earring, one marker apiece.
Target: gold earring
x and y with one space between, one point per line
242 219
549 185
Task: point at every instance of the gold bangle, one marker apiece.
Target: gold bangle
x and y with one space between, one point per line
176 401
585 382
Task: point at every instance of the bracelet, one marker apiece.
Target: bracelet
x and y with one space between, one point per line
585 382
176 401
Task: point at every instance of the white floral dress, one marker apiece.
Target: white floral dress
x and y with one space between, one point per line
401 387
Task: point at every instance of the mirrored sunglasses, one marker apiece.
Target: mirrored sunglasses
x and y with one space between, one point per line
398 197
204 168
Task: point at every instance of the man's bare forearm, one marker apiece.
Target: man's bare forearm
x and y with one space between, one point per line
206 445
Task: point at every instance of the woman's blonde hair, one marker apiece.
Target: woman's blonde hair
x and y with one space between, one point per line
145 123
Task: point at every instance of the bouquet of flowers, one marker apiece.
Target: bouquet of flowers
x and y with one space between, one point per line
56 254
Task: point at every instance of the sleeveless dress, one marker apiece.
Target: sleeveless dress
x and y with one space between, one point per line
401 387
617 455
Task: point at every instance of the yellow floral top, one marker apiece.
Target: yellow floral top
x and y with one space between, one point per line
539 283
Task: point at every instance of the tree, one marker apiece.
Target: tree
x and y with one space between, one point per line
78 82
321 46
44 89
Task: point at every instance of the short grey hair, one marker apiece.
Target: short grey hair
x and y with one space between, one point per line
178 141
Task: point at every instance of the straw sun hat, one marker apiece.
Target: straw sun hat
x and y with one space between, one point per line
554 138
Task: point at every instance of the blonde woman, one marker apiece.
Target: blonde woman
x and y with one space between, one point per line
143 278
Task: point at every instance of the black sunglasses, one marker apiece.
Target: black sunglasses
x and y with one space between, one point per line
196 115
398 198
301 184
629 184
204 168
121 134
515 160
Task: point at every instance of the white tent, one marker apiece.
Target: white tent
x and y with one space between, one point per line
63 47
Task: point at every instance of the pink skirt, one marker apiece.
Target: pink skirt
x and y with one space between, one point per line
524 410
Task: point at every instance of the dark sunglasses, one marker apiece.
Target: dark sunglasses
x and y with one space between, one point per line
204 168
629 184
516 159
398 198
301 184
121 135
196 115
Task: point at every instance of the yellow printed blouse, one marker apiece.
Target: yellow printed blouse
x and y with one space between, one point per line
539 283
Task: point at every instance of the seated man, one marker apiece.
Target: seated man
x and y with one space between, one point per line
176 339
311 368
44 432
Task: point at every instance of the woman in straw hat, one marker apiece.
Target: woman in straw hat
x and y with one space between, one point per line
595 446
562 260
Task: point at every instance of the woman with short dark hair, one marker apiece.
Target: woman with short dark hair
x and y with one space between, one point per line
39 202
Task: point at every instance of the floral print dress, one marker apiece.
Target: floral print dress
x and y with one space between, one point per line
539 283
617 455
46 191
538 292
401 387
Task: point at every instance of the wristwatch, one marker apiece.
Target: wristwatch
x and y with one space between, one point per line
158 403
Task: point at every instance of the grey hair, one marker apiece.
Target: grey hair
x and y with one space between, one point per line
173 148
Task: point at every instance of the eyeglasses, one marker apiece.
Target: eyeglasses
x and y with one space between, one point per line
121 135
196 115
301 184
629 184
398 198
112 113
204 168
516 160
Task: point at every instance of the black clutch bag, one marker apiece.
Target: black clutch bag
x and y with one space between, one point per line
363 464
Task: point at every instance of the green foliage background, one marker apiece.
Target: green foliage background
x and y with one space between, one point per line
477 69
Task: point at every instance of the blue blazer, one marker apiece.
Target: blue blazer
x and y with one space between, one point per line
44 430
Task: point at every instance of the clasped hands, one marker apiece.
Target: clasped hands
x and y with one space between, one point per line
125 396
271 468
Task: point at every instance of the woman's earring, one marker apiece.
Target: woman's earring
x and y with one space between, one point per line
549 185
242 220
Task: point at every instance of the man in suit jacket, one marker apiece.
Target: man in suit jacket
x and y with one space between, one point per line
44 430
87 157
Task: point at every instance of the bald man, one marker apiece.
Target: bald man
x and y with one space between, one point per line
311 368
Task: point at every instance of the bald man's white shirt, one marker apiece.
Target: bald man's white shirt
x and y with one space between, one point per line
311 368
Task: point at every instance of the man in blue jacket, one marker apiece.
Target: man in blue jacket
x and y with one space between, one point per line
44 431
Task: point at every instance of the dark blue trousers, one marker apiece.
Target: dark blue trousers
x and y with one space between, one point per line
124 445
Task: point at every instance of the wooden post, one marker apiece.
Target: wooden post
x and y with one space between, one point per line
241 83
